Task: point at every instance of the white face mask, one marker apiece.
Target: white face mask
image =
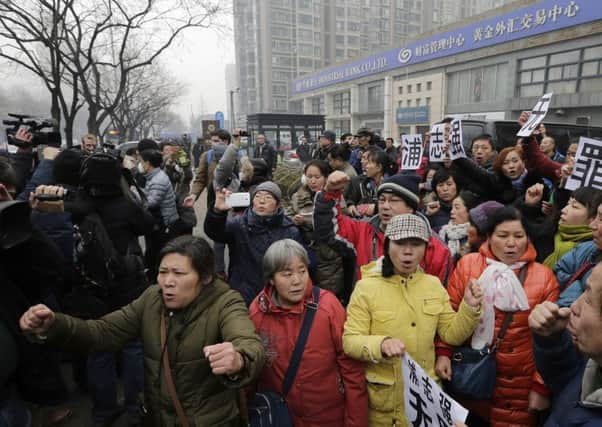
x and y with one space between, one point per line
141 168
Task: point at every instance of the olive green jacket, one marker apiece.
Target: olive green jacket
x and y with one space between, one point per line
217 315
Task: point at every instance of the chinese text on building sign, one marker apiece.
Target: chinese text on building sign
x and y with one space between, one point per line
544 16
425 403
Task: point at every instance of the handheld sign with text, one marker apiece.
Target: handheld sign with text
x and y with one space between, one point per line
587 171
437 143
456 148
538 113
426 404
411 151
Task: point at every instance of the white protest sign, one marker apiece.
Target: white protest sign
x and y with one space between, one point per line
456 147
411 151
588 165
426 404
538 113
437 143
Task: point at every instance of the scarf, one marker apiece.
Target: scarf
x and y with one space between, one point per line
518 183
501 289
566 239
453 235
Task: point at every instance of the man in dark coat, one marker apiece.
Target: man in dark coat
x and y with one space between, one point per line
263 150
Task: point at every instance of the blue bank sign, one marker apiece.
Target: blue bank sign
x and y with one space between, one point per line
412 115
545 16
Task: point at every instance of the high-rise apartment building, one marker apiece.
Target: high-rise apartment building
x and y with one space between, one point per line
277 40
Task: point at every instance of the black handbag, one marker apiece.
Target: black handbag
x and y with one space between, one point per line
269 408
474 371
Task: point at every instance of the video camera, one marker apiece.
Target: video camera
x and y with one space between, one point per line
34 125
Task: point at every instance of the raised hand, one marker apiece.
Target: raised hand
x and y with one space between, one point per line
223 358
548 318
473 294
37 320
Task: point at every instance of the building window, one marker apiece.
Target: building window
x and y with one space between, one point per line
428 100
305 19
342 103
429 85
409 103
399 104
564 72
418 101
477 84
375 98
400 90
418 87
409 88
317 105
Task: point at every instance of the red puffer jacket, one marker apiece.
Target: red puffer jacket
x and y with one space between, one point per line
516 374
316 398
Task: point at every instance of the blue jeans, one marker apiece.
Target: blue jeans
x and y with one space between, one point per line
102 381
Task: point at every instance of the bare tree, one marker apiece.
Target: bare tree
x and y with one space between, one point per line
85 51
149 94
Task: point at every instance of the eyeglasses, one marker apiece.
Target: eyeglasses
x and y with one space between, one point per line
264 197
392 201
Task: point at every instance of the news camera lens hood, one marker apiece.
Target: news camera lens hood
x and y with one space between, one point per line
15 225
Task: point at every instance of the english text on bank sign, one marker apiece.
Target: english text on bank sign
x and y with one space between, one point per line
542 17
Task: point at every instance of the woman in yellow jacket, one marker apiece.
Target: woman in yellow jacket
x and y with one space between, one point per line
397 308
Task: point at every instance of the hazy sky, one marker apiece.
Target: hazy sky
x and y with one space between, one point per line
199 61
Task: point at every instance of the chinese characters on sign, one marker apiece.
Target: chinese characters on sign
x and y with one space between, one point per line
588 165
426 405
411 151
538 113
437 144
456 146
525 22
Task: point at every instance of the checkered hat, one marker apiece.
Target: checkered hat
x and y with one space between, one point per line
407 226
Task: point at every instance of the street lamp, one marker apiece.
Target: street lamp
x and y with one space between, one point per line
232 115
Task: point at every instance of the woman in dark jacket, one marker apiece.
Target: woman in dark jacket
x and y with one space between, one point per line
249 235
507 182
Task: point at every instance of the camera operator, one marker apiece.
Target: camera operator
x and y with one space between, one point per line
30 270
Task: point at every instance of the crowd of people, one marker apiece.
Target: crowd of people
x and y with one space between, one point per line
325 287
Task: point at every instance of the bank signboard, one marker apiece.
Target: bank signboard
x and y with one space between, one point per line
543 17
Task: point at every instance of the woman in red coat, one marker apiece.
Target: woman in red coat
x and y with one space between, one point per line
519 389
329 389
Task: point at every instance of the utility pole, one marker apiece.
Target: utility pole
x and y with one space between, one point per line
232 114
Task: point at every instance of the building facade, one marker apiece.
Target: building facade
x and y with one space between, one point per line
279 40
493 66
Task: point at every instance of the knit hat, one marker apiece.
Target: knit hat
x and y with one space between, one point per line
404 186
407 226
330 135
271 188
480 215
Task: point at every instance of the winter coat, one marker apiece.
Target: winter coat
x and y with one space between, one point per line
569 264
321 153
573 380
216 315
366 239
516 374
160 195
538 162
361 190
414 310
304 152
330 273
493 185
203 175
329 389
267 153
248 237
441 217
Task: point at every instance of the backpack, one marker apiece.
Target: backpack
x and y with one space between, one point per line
96 258
100 175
